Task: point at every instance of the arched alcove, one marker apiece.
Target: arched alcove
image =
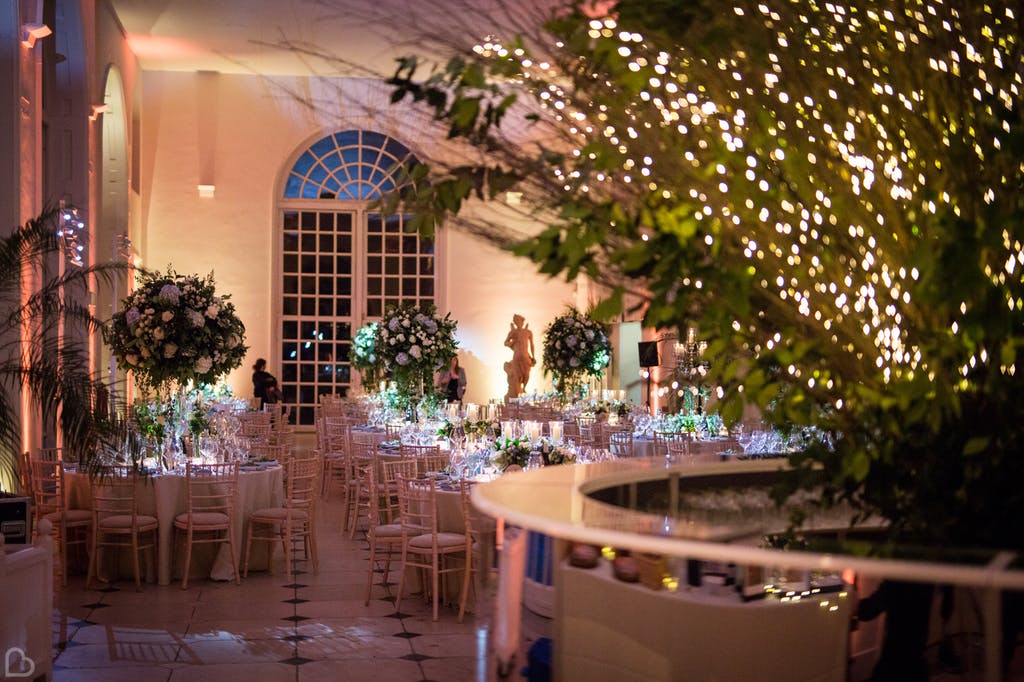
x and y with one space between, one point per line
112 223
340 261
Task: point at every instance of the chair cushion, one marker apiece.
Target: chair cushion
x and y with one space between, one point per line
70 516
443 540
124 522
387 530
278 513
201 519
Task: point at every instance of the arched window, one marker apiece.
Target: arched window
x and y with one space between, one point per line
341 261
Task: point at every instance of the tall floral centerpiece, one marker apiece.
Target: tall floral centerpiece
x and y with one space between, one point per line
365 357
174 331
575 347
414 342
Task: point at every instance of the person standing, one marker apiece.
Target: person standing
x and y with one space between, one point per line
264 385
452 381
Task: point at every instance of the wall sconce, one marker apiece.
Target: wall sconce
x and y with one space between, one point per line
123 246
206 191
72 234
98 109
30 33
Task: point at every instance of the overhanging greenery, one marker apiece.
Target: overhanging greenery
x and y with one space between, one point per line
831 192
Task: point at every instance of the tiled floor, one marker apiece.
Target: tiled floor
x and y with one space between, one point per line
314 627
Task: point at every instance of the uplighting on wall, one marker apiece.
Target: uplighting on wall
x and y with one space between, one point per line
206 191
30 33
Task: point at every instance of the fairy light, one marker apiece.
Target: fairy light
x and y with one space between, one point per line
836 256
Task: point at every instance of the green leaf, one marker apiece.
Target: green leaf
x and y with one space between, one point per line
976 445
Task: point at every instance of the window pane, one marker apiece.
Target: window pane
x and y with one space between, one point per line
291 241
317 250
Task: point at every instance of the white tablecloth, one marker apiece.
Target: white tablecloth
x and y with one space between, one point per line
164 496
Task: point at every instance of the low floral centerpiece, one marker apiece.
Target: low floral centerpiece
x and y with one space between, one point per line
414 342
575 347
511 451
555 453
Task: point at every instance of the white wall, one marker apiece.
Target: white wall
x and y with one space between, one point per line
255 132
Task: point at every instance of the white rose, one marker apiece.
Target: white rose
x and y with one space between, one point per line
203 365
132 359
145 352
158 333
415 352
212 311
170 350
167 316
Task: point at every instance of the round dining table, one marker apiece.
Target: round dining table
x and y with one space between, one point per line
164 496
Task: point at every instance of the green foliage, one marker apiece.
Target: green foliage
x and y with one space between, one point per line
43 342
832 195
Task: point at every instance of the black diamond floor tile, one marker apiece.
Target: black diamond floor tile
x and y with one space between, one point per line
399 615
388 599
416 657
96 605
296 638
294 586
406 635
295 619
297 660
295 600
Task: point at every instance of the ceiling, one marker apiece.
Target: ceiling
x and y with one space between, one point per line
252 36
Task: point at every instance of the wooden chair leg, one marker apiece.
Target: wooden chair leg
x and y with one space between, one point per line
234 557
311 524
93 555
369 577
465 587
401 580
434 584
288 550
248 549
188 559
135 560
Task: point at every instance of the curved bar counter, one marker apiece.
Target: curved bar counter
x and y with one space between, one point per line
609 629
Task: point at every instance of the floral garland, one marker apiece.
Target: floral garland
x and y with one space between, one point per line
175 328
413 342
575 346
509 451
364 355
553 453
